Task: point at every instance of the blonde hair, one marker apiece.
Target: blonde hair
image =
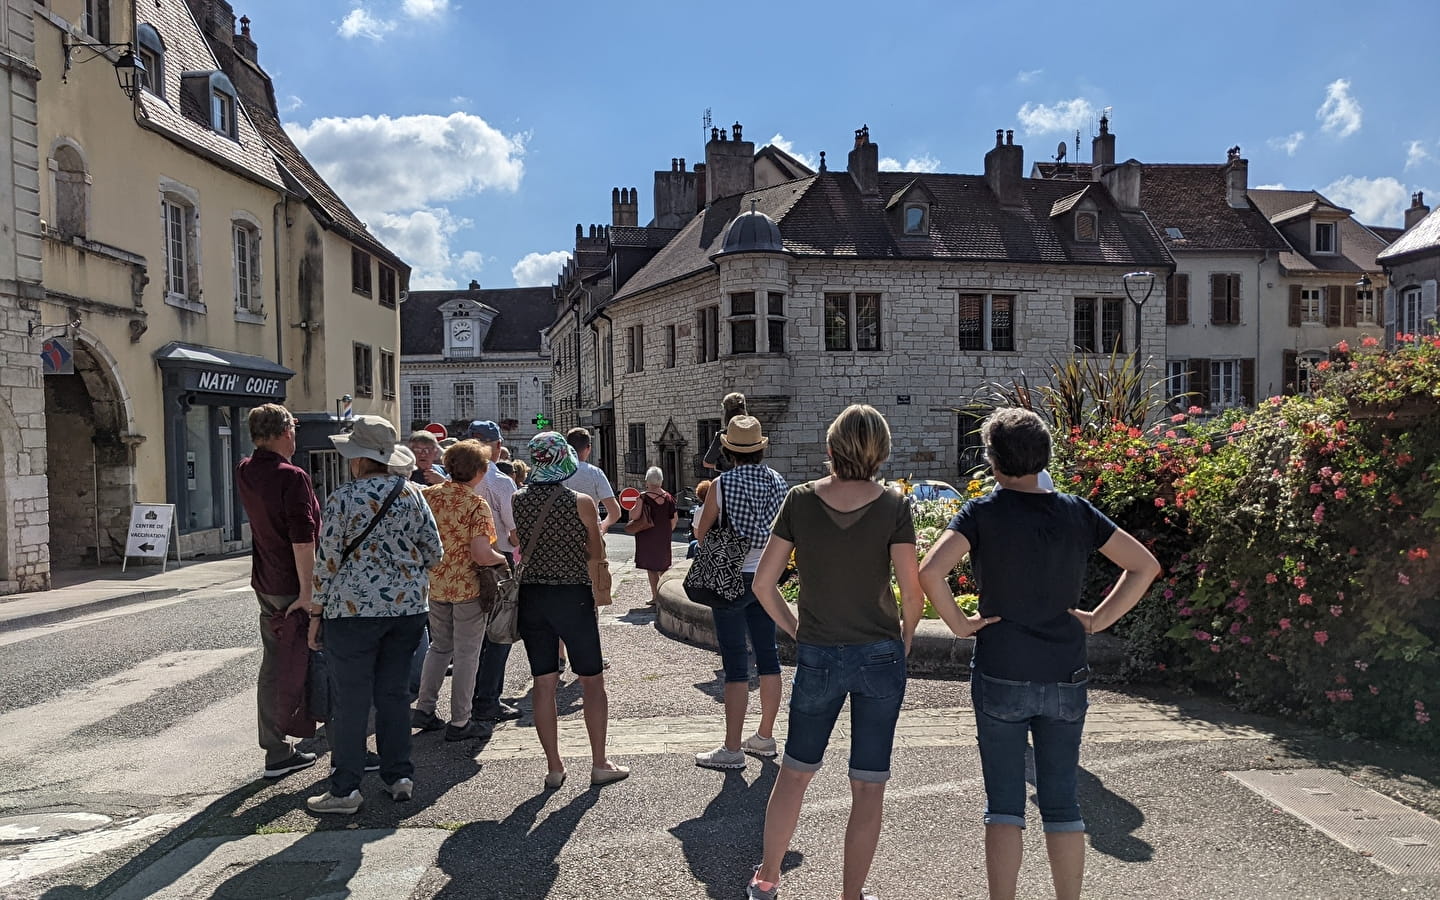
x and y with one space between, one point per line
859 442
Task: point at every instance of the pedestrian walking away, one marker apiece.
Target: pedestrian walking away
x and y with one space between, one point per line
461 595
376 548
284 519
749 493
652 546
1030 548
497 490
559 537
846 532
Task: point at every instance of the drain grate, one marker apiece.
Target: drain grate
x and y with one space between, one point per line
1398 838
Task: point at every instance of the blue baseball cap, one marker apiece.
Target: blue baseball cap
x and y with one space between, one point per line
484 430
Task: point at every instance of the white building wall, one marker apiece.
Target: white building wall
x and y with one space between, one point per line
528 372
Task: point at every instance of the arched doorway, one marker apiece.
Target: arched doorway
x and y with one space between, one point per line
88 464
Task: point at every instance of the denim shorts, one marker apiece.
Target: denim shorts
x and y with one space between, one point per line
1007 713
746 616
873 677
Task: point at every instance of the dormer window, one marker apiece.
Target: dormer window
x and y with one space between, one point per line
222 113
917 219
152 58
214 99
1087 227
1326 239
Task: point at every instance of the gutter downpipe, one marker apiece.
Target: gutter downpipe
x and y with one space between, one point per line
279 312
1260 325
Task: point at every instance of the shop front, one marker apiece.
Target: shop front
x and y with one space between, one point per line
208 395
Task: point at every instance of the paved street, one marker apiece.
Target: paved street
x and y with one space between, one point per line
134 727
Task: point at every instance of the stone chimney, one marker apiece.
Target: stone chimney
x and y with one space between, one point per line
475 285
244 44
676 192
1102 146
864 164
1237 181
216 19
1417 210
1123 183
729 165
1004 168
624 206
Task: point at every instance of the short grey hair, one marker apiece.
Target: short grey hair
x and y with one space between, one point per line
653 475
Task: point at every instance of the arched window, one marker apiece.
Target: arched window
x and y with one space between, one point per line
72 192
151 50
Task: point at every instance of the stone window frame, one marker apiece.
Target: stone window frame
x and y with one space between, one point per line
707 334
95 20
547 399
60 177
176 196
150 48
636 456
634 349
672 346
991 341
775 317
852 300
739 320
252 310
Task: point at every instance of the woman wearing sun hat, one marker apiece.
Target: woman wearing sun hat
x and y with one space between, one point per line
749 493
373 587
559 535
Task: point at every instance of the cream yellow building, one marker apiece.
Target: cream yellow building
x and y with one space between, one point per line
194 274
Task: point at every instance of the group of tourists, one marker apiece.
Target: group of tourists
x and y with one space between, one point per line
388 559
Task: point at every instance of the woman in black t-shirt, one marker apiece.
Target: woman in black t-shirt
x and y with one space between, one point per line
1030 548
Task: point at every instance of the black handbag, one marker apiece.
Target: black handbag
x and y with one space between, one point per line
714 579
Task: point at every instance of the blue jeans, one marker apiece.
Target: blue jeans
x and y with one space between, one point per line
746 616
370 663
1006 714
873 677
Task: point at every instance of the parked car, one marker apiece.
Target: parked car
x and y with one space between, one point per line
931 489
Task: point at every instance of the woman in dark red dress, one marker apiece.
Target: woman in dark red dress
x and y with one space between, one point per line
652 546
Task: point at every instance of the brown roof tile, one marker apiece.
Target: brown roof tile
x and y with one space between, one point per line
524 313
1358 244
1192 198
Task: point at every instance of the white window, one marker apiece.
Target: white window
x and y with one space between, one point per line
987 322
1177 382
1224 383
222 113
508 397
1312 306
97 20
182 276
1306 378
546 397
917 219
420 401
246 261
1325 238
1408 319
852 321
151 51
464 395
1365 307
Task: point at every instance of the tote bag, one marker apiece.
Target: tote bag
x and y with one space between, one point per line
714 578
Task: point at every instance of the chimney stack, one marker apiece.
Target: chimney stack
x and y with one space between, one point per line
1237 183
1102 146
624 206
864 163
729 165
474 285
244 44
1005 167
676 193
1417 211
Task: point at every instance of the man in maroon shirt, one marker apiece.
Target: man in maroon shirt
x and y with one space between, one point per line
284 521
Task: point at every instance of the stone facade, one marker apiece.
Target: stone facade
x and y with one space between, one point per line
527 372
24 503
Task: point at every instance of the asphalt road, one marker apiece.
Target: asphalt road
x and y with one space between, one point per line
148 717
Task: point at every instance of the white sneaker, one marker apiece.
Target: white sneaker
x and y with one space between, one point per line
403 789
721 758
329 803
760 746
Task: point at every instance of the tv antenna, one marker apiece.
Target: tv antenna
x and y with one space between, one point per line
706 122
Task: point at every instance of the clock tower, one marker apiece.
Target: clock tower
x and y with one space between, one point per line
466 322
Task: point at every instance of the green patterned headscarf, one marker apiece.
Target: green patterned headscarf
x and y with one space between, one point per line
553 456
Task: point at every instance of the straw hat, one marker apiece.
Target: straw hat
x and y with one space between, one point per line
372 437
743 435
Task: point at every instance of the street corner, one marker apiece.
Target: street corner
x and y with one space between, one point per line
359 864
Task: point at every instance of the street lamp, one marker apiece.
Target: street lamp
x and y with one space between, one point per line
1364 283
129 69
1138 287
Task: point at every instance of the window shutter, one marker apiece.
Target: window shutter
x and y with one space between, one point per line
1427 306
1390 300
1291 368
1200 382
1352 304
1234 300
1177 299
1332 306
1247 381
1294 306
1218 305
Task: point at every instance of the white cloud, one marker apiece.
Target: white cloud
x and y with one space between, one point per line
1376 201
291 104
1028 75
1290 143
360 22
398 173
540 269
1067 115
922 163
782 144
1340 114
424 9
460 100
1415 154
1279 186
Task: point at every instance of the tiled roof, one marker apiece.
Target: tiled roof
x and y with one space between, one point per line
1192 198
1386 233
1065 171
187 51
524 313
789 166
1423 236
1358 244
825 215
640 236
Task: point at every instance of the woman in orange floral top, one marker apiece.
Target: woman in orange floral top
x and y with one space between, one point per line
457 620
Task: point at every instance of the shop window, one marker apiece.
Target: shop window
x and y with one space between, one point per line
364 371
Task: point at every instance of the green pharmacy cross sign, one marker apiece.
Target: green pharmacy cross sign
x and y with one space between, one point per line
541 421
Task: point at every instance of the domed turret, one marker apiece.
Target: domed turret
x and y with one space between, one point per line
752 232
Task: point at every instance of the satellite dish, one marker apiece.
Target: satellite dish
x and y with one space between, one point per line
1060 152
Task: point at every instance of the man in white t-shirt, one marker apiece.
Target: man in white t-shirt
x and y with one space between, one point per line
590 480
498 490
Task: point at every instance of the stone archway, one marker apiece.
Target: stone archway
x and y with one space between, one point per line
89 463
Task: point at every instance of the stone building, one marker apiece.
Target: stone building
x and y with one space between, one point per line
24 509
1412 269
912 292
477 354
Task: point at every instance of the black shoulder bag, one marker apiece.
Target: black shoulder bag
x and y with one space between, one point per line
384 508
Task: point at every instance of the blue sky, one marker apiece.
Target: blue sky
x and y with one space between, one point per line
473 136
